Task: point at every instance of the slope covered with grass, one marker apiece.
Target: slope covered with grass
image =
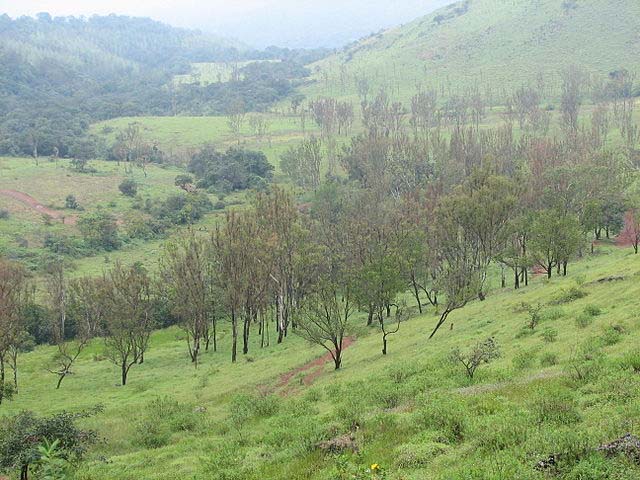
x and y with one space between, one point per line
563 388
491 45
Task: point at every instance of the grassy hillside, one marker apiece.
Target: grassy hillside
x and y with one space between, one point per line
417 415
491 45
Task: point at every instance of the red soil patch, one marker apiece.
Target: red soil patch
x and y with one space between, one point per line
626 237
32 203
316 365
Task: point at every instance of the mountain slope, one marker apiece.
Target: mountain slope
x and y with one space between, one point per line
492 43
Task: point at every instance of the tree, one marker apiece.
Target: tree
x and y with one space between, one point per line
99 230
326 316
128 318
631 230
14 296
303 163
185 277
237 114
482 353
555 239
22 436
185 182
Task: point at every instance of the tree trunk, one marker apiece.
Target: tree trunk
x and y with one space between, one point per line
234 333
516 283
564 269
24 472
125 371
416 293
60 379
245 334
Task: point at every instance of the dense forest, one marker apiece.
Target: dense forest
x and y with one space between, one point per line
57 75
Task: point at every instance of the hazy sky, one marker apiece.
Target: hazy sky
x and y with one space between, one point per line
257 22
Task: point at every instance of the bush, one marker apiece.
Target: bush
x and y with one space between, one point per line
523 359
129 187
592 310
71 203
550 335
583 320
4 214
568 295
612 335
162 417
548 359
183 209
555 406
481 353
632 361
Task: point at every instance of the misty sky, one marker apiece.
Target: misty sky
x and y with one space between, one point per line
293 23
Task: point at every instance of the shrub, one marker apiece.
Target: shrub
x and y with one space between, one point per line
162 417
555 406
550 335
548 359
523 359
4 214
129 187
583 320
568 295
592 310
632 361
612 335
534 316
481 353
71 203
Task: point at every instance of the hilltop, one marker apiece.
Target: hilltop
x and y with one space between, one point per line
494 45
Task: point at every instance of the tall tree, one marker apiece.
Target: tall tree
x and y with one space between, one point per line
128 320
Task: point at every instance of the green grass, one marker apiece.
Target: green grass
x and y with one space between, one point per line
175 135
495 45
418 415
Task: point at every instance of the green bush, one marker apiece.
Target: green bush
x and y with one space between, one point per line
583 320
162 417
549 335
4 214
632 361
128 187
568 295
612 335
548 359
555 406
592 310
523 359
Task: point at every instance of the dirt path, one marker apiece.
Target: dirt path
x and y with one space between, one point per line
316 367
32 203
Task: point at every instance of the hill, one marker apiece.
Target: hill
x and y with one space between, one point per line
490 45
413 412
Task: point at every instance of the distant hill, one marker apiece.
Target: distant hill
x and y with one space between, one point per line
491 44
58 75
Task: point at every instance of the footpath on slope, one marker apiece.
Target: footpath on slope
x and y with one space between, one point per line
32 203
315 367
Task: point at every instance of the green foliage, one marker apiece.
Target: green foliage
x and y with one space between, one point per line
549 335
183 208
71 203
128 187
52 464
548 359
568 295
237 169
162 417
23 436
99 230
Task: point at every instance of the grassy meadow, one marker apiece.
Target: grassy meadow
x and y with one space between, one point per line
413 412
